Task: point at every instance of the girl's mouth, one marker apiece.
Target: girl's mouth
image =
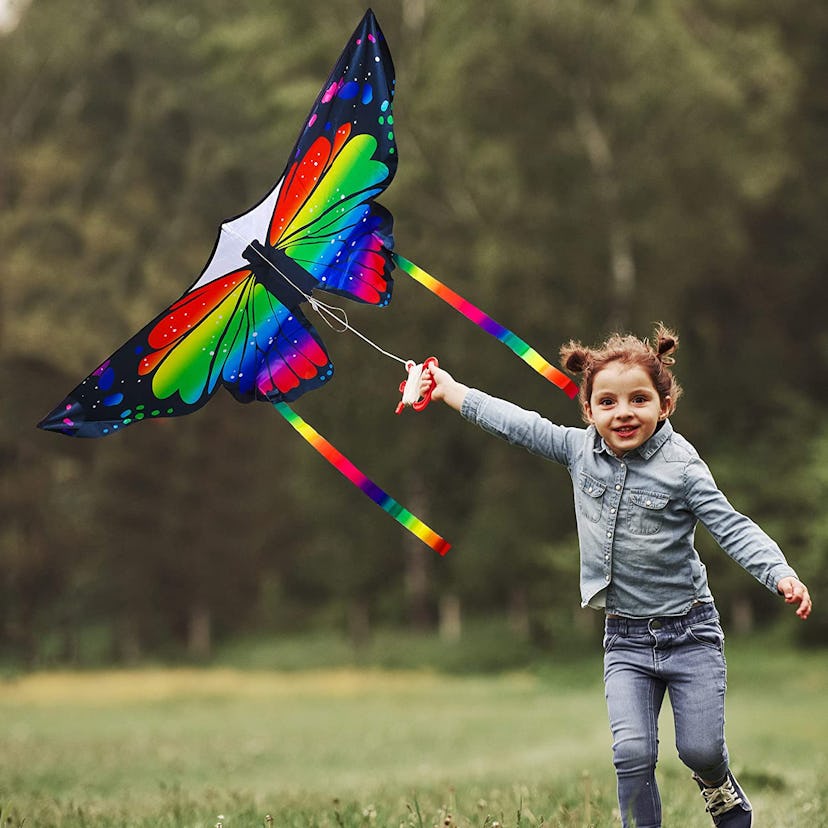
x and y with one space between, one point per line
626 431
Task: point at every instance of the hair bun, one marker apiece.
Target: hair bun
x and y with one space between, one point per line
666 345
575 358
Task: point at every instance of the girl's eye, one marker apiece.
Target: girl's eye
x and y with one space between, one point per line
606 401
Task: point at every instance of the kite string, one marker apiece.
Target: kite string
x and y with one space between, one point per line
321 308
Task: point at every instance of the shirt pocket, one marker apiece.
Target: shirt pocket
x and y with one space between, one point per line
591 497
646 512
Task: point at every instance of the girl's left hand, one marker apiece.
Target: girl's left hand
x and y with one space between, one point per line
795 592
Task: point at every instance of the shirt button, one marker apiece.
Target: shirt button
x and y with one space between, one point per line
612 511
609 534
617 487
606 577
648 502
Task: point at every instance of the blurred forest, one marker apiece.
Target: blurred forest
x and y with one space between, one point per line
573 167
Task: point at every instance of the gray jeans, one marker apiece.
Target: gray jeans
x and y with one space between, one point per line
643 658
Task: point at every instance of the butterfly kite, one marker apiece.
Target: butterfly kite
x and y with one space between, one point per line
239 325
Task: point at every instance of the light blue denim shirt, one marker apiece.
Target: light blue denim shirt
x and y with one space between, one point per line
637 514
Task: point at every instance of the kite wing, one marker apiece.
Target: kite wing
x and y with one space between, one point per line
239 324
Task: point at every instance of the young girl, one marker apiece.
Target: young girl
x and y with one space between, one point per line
640 489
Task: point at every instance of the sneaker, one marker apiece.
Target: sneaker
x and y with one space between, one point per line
727 803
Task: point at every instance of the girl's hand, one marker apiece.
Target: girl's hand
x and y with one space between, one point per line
446 388
795 592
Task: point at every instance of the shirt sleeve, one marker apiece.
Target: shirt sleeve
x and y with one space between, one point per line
520 427
741 538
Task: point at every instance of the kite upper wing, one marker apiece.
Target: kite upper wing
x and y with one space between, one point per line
239 324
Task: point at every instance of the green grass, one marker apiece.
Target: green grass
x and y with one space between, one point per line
357 747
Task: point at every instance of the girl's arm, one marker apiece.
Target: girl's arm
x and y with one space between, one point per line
446 388
741 538
504 419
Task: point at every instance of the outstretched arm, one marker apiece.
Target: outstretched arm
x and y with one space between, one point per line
795 592
503 419
446 388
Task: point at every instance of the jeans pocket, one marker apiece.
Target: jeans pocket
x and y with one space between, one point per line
609 640
708 633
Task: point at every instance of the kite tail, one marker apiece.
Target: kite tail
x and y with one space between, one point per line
340 462
511 340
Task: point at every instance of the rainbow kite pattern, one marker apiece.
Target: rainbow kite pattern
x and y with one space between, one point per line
511 340
239 325
342 464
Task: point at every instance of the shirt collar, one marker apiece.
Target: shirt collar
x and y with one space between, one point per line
646 450
662 434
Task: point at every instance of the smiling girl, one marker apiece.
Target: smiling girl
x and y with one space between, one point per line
640 489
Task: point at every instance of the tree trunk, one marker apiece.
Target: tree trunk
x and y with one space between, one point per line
741 615
359 623
416 562
129 640
199 631
451 622
599 152
519 613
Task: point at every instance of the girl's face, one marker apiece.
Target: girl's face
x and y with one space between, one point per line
624 406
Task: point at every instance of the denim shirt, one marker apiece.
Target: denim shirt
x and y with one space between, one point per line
637 514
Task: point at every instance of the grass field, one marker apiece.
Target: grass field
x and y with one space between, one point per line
161 747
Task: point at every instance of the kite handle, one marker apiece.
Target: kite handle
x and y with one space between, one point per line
410 388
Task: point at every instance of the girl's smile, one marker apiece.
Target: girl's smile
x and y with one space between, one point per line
625 407
627 430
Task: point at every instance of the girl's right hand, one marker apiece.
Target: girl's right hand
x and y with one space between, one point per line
446 388
439 378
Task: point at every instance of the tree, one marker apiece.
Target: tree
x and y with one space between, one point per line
569 167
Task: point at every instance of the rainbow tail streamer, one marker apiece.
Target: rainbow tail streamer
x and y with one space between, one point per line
511 340
340 462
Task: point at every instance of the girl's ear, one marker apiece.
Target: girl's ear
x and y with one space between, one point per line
666 405
587 409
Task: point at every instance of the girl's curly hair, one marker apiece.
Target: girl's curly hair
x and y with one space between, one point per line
655 358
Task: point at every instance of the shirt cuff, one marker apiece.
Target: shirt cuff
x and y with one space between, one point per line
776 574
472 403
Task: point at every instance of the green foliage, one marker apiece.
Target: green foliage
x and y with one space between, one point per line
571 167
